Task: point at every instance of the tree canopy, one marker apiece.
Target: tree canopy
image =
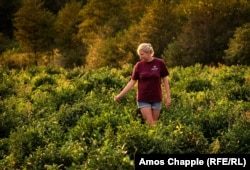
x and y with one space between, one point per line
101 33
34 28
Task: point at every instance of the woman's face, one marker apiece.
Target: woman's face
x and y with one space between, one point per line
145 56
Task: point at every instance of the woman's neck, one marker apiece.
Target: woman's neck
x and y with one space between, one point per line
150 59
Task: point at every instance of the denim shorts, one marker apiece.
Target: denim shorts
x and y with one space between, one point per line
153 105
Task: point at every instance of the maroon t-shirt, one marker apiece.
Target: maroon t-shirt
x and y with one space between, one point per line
149 75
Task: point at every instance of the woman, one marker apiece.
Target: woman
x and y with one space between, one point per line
149 72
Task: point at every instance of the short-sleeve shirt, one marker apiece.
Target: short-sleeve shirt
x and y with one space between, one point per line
149 75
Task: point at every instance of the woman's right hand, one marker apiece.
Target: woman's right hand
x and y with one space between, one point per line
117 98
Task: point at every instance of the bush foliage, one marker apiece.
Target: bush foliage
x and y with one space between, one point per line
53 118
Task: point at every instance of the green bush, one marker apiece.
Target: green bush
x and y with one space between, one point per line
7 83
53 118
138 138
68 115
4 148
198 85
187 139
236 140
22 143
239 93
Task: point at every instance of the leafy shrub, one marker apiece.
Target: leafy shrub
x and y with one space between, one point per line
66 96
236 140
6 83
56 156
138 138
52 70
10 116
239 79
34 70
98 80
4 149
214 123
186 139
43 80
90 129
43 103
199 85
70 121
109 155
231 76
239 93
23 143
68 115
44 157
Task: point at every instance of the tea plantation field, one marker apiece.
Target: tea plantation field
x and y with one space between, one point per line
53 118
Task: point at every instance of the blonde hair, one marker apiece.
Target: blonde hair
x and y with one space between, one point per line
146 47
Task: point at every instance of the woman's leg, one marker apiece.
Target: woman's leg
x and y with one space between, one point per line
150 115
155 114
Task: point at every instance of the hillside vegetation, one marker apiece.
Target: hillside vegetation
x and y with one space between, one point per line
100 33
53 118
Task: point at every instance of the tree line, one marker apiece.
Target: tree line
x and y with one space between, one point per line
101 33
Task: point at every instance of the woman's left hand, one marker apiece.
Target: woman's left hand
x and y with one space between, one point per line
168 102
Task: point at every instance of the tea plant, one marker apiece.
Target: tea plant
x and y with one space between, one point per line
54 118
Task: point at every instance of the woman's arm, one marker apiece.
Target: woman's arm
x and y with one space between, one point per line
167 90
129 86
